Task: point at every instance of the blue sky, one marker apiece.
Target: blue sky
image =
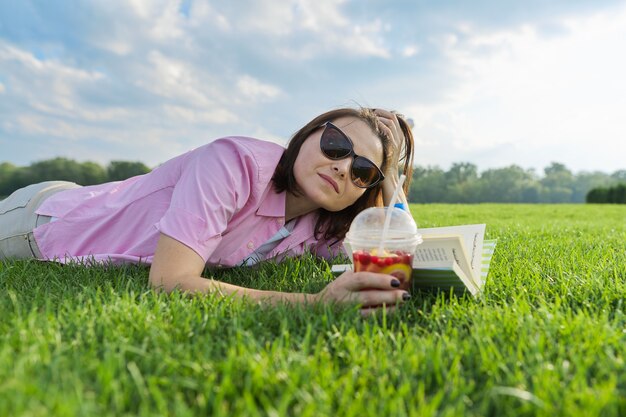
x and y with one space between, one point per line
490 82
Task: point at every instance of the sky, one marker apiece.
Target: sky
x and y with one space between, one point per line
489 82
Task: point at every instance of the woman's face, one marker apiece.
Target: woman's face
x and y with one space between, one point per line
327 183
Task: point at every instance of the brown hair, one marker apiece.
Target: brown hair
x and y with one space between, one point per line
336 224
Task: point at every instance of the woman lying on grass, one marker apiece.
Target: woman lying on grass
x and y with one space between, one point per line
234 201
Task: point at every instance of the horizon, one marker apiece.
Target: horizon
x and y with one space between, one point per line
539 172
490 83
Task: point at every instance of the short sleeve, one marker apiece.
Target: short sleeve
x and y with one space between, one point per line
215 182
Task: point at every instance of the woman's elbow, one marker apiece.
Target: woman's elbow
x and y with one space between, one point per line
161 283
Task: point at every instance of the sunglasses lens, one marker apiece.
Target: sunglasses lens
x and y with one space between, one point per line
364 172
334 144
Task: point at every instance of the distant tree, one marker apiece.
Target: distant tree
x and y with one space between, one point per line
63 169
428 185
617 194
461 180
506 185
54 169
86 173
598 195
6 168
461 172
557 183
619 175
557 174
121 170
463 184
531 192
7 171
608 195
585 181
92 173
620 197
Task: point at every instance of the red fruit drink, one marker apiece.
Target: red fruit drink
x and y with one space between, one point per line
390 252
392 262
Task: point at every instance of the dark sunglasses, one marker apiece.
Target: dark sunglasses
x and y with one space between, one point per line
337 145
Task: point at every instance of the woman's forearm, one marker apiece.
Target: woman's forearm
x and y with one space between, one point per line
200 285
176 266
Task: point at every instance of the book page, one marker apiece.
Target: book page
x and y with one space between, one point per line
472 235
442 252
489 248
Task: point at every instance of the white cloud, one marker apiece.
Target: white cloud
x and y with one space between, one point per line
128 27
268 18
168 24
48 102
173 79
533 95
205 116
363 40
297 29
320 15
277 19
202 15
410 50
37 83
253 89
336 32
10 55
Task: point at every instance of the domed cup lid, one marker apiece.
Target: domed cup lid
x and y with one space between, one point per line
366 230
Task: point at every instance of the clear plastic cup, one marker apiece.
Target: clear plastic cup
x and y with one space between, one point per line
396 256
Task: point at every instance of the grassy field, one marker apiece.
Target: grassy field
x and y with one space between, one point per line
546 338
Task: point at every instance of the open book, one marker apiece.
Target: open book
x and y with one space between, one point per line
454 257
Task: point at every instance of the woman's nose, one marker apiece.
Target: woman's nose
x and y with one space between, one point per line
342 166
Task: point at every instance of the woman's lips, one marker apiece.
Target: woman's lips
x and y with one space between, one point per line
330 181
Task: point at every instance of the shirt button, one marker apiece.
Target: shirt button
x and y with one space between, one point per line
251 245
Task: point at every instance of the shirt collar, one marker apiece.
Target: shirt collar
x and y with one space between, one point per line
273 205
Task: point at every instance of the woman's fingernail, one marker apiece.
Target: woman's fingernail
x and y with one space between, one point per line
395 283
406 296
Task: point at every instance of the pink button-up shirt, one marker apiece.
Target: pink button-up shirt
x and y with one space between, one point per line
217 199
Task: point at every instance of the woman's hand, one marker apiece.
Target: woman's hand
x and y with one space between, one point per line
391 125
368 289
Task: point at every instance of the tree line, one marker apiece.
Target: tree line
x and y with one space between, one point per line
462 183
608 195
84 173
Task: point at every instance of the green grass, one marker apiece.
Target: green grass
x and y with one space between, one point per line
546 338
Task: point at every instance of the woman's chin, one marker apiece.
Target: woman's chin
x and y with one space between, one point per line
333 206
